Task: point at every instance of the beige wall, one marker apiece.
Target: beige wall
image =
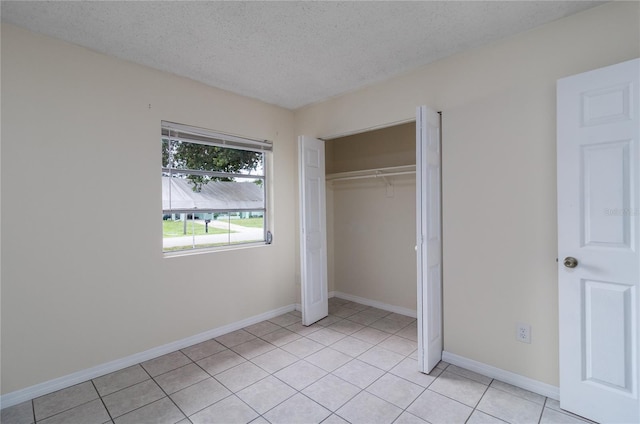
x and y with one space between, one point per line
373 240
391 146
499 177
84 281
371 231
79 140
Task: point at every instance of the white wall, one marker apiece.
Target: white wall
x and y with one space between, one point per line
499 177
84 281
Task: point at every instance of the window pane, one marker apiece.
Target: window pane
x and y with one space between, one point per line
198 230
167 153
202 157
183 192
242 226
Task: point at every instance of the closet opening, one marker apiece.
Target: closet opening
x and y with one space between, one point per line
370 228
371 219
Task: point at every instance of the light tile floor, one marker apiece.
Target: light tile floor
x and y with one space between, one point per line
358 365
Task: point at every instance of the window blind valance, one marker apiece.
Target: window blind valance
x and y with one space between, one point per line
203 136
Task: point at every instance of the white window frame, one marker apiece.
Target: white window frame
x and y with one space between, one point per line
197 135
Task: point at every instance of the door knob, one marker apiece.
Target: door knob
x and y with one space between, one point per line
570 262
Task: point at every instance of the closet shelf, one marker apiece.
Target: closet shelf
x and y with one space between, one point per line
372 173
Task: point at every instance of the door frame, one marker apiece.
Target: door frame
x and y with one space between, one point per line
422 294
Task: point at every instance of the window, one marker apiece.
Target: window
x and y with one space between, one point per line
213 189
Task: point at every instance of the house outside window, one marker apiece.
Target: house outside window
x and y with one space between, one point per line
214 189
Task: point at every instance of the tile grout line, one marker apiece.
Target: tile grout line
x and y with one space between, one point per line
298 392
157 384
113 419
403 410
165 392
36 420
102 401
421 393
516 395
544 405
475 408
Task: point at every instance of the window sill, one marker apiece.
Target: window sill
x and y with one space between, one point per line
207 250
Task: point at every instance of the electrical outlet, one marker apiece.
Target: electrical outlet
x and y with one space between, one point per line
523 333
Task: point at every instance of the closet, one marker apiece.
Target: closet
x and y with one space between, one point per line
371 216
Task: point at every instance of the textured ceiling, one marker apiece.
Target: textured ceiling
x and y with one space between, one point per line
286 53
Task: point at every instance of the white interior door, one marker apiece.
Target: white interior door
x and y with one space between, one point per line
313 231
598 242
429 238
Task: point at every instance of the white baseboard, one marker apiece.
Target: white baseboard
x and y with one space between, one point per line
63 382
385 306
514 379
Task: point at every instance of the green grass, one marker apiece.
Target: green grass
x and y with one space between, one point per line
176 229
249 222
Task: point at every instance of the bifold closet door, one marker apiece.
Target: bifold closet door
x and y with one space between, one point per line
428 238
313 231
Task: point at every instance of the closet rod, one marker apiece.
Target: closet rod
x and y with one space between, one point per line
376 175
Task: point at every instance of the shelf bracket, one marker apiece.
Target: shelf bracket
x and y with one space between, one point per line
390 190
